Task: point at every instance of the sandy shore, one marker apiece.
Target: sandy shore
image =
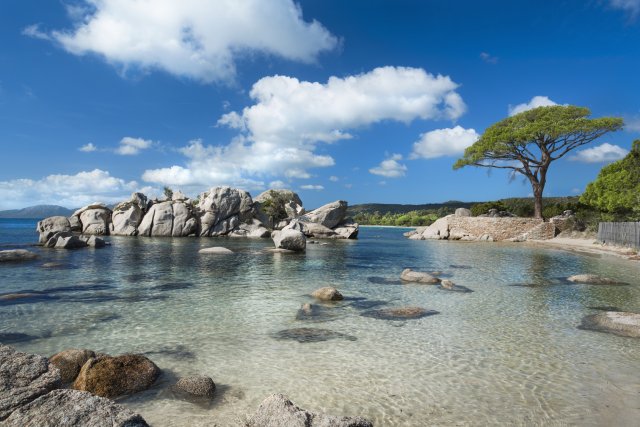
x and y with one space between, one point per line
591 246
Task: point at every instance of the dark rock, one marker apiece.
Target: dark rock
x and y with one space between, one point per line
17 255
196 386
69 362
278 411
109 376
304 335
23 378
73 408
400 313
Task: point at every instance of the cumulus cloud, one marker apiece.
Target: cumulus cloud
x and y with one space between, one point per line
68 190
488 58
131 146
279 135
536 101
391 167
278 185
631 7
88 148
198 39
603 153
35 32
312 187
443 142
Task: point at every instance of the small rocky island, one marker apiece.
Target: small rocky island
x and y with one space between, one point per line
221 211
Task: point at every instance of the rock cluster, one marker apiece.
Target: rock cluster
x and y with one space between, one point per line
221 211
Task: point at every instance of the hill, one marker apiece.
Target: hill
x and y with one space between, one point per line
383 208
37 212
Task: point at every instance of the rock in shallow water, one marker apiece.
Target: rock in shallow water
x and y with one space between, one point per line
278 411
23 378
400 313
328 293
304 335
196 385
73 408
215 250
70 361
292 240
615 322
109 376
17 255
593 279
448 285
409 275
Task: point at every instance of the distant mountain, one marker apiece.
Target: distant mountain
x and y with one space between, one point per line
399 209
37 212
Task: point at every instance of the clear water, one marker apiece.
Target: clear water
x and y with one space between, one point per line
502 355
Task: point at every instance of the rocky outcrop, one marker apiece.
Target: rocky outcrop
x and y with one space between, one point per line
275 207
196 386
17 255
329 215
128 215
94 219
408 275
347 229
49 226
223 209
311 229
277 411
69 362
292 240
454 227
253 228
73 408
170 218
65 240
328 293
567 222
462 212
23 378
614 322
109 376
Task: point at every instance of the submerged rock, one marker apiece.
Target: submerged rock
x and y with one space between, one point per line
109 376
69 362
383 280
327 293
74 408
278 411
399 313
409 275
196 385
593 279
215 250
17 255
23 378
304 335
448 285
615 322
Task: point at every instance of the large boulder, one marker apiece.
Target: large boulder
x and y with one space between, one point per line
408 275
347 229
73 408
127 215
292 240
614 322
94 219
223 209
23 378
169 218
17 255
277 411
110 376
329 215
69 362
65 240
311 229
276 206
252 228
48 226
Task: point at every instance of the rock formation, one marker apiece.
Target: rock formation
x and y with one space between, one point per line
127 215
94 219
223 209
49 226
170 218
291 240
17 255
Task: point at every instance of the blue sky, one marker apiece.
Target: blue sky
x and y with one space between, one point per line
367 101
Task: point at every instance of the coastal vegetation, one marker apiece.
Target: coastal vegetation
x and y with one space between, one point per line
527 143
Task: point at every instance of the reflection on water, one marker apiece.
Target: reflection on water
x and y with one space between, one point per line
503 354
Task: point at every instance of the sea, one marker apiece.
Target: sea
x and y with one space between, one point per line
509 353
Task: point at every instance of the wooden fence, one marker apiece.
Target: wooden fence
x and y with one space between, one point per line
620 233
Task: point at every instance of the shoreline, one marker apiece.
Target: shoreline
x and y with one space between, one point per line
586 246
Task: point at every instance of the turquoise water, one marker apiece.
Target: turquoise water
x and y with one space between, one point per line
504 354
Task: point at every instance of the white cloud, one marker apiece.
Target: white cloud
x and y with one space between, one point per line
35 32
278 185
601 154
536 101
391 167
280 133
131 146
443 142
632 7
199 39
88 148
68 190
488 58
312 187
334 178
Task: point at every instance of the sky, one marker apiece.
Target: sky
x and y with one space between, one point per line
368 101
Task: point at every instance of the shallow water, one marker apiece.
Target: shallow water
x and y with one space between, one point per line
507 355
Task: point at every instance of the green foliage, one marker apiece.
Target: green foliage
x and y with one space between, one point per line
274 208
616 190
407 219
483 208
168 193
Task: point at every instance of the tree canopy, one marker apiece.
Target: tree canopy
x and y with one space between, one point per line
616 190
528 142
